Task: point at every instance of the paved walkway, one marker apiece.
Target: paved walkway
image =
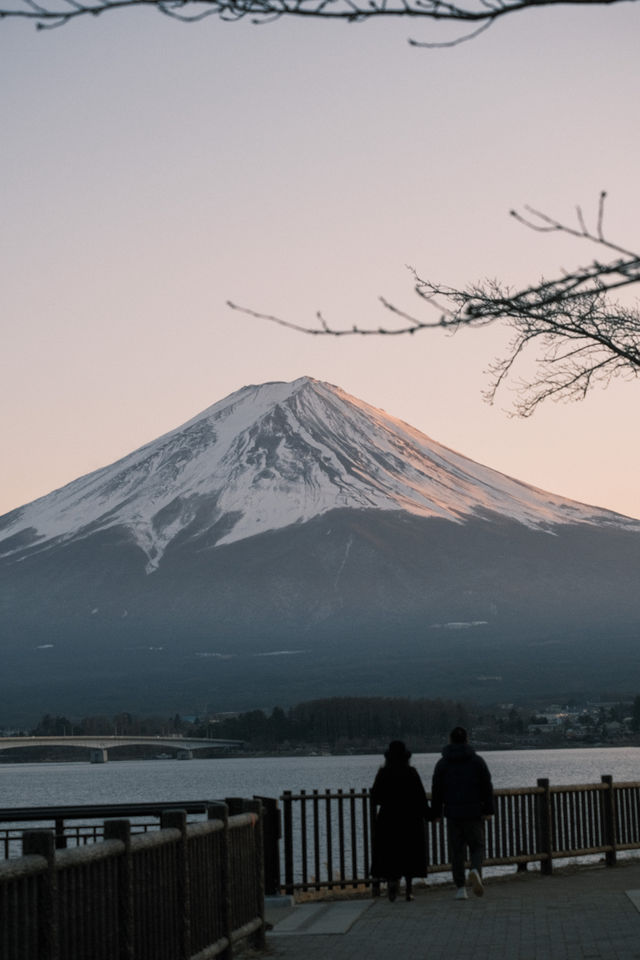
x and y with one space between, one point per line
581 914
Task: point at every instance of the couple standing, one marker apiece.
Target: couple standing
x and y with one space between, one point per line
461 789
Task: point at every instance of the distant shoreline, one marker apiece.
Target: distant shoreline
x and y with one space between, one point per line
19 755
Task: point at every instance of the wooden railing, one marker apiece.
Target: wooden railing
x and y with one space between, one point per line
183 891
81 824
327 835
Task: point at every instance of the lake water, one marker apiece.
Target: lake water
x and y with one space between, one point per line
58 784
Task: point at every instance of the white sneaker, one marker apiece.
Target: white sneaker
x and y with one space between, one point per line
461 894
476 882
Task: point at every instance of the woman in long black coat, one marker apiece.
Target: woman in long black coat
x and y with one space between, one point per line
399 836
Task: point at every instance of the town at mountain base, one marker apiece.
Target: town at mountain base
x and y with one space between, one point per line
438 595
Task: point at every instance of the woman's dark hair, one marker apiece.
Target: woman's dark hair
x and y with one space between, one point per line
458 735
397 752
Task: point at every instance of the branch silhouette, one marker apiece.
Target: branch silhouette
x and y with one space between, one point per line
477 14
583 337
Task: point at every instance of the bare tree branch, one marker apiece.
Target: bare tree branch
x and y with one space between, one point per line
478 14
581 336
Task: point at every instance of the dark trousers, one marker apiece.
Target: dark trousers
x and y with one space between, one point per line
463 834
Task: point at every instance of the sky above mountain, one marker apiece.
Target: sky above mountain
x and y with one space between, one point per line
153 170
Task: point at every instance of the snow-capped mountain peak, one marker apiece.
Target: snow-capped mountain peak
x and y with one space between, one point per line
273 455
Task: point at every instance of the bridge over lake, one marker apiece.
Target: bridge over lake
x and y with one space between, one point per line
167 747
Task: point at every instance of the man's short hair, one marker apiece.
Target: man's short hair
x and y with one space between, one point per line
458 735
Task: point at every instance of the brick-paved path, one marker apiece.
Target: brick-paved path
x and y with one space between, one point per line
574 915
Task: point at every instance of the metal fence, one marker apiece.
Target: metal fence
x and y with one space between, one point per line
328 834
183 892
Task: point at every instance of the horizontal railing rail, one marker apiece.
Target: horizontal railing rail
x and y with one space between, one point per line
328 834
81 824
187 890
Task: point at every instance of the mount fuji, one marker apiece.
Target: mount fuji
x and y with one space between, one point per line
292 541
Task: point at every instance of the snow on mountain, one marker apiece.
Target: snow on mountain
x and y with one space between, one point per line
277 454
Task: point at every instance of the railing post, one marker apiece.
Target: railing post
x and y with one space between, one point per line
609 820
121 830
544 826
42 844
271 833
61 840
287 805
255 806
220 811
177 820
375 881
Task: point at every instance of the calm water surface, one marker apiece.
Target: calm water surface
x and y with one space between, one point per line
53 784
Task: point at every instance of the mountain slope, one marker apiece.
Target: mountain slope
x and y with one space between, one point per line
273 455
292 542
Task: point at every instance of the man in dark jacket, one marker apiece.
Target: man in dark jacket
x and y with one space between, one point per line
462 790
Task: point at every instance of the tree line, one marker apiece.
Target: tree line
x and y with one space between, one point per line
330 722
335 722
347 720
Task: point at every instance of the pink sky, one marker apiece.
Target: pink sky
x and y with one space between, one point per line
153 170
